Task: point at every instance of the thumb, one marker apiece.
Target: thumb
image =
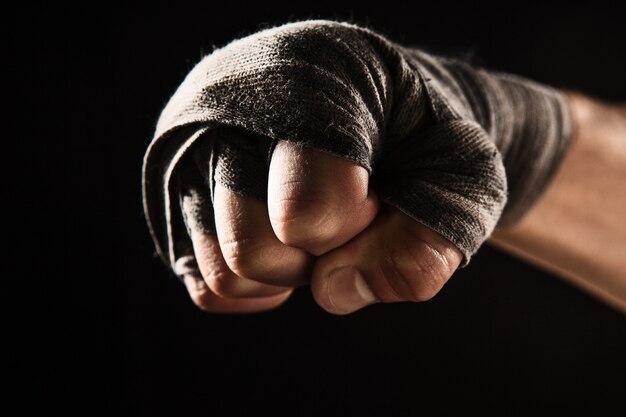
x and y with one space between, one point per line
395 259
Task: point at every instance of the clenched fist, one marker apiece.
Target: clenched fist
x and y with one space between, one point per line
320 153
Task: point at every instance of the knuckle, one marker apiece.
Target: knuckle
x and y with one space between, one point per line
215 272
420 272
222 282
314 197
305 222
246 257
241 259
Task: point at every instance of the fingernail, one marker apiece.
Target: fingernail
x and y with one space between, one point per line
347 290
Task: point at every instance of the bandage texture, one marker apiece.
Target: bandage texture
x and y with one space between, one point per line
456 147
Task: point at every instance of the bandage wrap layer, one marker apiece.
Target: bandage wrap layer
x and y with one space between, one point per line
445 142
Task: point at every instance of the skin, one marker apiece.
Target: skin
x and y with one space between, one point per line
577 230
323 226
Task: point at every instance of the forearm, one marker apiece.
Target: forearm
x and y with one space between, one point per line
577 229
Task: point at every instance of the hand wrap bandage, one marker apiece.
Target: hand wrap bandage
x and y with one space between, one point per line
445 142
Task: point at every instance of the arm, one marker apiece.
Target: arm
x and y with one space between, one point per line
265 161
577 229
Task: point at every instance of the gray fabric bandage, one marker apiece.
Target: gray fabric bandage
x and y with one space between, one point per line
444 141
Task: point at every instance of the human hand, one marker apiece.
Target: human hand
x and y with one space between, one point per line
387 160
322 225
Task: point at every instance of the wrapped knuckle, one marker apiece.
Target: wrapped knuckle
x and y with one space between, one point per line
297 41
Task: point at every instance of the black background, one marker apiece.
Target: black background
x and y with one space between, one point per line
502 338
